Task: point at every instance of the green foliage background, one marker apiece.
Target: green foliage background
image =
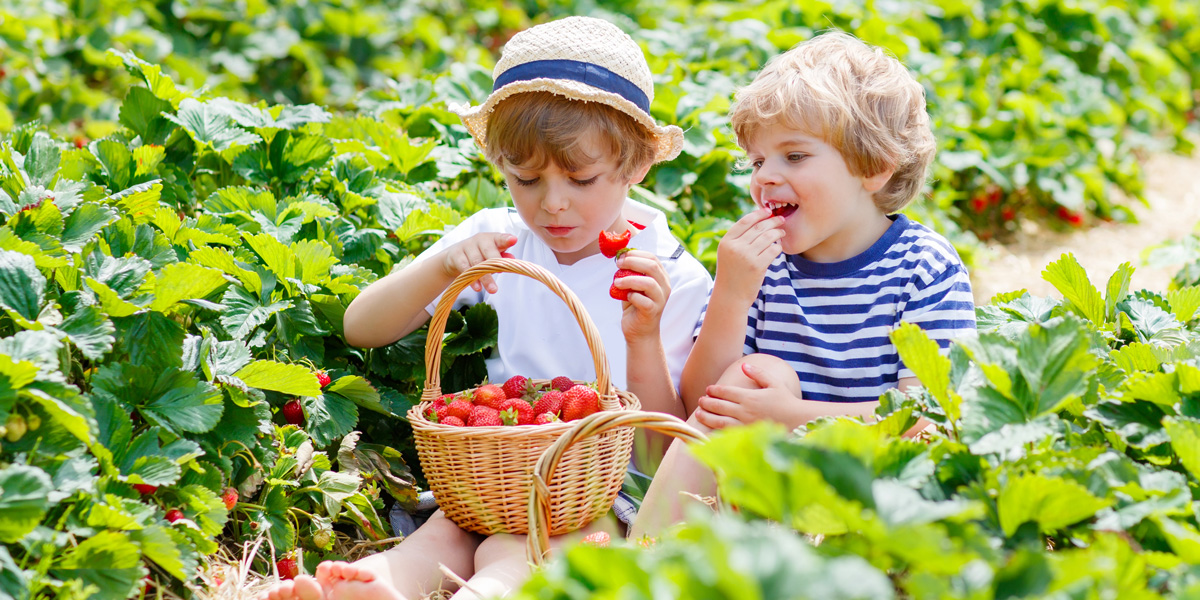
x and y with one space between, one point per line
193 191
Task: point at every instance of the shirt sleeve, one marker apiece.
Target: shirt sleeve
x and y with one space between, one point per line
943 306
680 320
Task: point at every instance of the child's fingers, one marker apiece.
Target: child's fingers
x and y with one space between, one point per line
487 283
714 421
746 222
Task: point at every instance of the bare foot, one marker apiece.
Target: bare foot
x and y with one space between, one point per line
347 581
301 588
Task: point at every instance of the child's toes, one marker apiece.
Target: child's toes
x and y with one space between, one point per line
284 591
307 588
352 572
364 590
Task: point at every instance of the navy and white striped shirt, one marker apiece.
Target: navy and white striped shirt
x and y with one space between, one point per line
830 321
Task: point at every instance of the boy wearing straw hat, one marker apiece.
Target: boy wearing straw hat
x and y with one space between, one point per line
569 127
810 285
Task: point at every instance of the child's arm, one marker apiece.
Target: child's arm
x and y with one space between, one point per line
647 374
743 256
394 306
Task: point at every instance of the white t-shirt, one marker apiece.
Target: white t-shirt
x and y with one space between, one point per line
539 337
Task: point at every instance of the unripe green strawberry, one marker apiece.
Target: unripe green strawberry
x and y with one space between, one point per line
15 427
322 538
35 422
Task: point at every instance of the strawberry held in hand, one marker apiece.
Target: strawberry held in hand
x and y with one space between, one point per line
620 293
611 244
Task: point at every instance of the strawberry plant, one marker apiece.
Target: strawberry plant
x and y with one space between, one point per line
1062 462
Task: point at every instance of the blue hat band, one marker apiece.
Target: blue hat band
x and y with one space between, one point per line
574 70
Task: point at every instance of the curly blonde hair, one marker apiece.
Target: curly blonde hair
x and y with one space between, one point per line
858 99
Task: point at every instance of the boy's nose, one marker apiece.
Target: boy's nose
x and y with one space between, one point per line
555 200
766 174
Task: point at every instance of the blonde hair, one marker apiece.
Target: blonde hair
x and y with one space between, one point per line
531 128
857 98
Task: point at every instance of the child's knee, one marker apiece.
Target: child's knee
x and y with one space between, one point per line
771 365
497 547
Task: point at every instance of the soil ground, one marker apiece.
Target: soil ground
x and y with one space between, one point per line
1173 194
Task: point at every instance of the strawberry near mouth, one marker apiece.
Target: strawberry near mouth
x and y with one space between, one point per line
781 210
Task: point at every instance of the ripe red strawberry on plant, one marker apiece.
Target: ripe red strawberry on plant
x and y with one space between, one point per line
516 411
293 412
484 416
562 383
612 244
323 378
145 489
490 395
174 515
516 386
288 567
580 402
621 293
549 402
230 498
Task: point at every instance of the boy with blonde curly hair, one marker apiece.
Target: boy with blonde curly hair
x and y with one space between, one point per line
838 140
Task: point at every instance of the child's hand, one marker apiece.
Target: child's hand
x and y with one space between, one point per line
474 250
727 405
746 251
649 293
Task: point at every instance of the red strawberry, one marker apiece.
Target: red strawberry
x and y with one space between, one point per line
435 413
287 567
80 141
490 395
613 243
484 416
581 401
453 422
145 489
293 413
174 515
516 411
599 539
550 402
230 498
323 378
546 418
516 386
620 293
459 409
562 383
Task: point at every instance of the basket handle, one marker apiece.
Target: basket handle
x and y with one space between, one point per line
538 540
437 325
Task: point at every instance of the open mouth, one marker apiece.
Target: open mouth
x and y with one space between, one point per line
779 209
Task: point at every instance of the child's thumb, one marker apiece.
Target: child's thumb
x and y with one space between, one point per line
762 377
505 241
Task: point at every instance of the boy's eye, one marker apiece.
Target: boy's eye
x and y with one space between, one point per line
525 181
583 182
756 163
796 156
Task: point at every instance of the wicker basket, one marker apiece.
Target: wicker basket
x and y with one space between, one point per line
481 475
541 497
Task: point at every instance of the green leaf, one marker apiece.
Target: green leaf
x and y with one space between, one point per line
276 256
315 258
481 329
184 281
90 331
139 202
142 112
70 411
86 221
108 560
244 313
209 127
1070 279
21 284
1051 502
42 160
381 463
1185 439
158 545
152 340
23 500
295 380
204 507
1136 357
116 162
328 417
110 301
359 391
1153 324
923 356
1184 302
1117 289
1139 423
220 258
304 154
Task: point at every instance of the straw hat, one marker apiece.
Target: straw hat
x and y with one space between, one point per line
581 58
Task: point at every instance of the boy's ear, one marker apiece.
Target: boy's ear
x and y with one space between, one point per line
875 182
640 174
